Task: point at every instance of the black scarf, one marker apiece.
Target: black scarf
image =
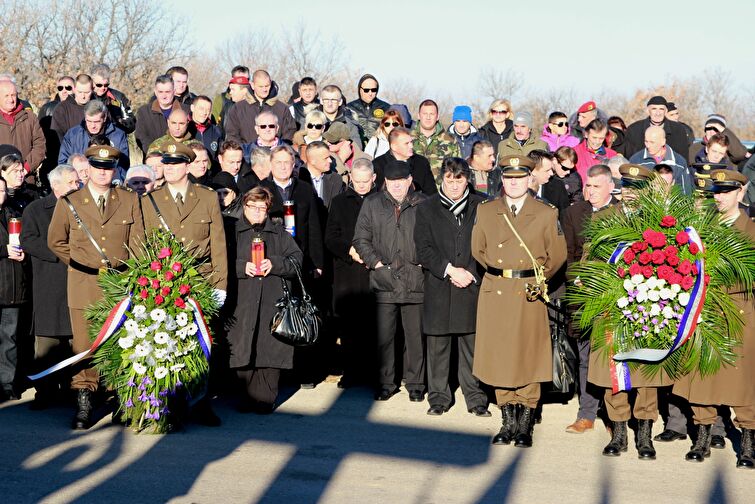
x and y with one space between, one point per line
455 207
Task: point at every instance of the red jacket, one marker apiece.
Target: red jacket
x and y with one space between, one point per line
587 158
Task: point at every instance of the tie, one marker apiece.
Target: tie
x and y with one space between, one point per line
180 202
513 210
101 204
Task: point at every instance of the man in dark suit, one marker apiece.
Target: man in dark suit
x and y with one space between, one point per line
326 182
597 193
543 184
52 322
401 150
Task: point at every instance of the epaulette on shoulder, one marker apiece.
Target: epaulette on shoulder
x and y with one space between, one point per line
205 187
489 200
546 203
123 187
73 191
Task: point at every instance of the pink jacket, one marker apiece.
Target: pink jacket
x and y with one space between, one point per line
587 158
554 141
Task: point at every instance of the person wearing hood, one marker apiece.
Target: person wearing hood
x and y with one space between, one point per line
431 140
463 131
556 133
96 129
499 125
240 124
369 109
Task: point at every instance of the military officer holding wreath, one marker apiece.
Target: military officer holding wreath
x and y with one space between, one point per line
192 213
93 229
517 239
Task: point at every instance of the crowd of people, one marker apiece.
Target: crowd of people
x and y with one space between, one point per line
426 248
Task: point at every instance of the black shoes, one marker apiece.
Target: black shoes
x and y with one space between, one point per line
83 418
746 458
203 415
508 425
618 441
416 396
718 442
669 435
701 449
385 394
436 410
523 437
480 411
644 441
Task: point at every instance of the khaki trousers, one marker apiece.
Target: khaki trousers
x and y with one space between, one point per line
645 405
706 415
528 395
84 375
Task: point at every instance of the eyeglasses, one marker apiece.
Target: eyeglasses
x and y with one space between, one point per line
331 100
391 124
370 90
265 126
560 124
67 88
255 208
315 126
106 84
504 111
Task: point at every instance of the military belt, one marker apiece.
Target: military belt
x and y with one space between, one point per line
509 273
93 271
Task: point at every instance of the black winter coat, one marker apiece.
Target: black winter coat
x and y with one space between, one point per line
488 132
419 166
151 124
634 137
308 230
249 338
440 240
350 279
50 275
14 275
384 235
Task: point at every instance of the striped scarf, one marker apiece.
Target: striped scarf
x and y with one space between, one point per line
455 207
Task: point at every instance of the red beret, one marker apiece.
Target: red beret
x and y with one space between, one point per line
586 107
244 81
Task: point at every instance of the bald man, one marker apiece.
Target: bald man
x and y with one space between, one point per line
657 151
178 131
22 130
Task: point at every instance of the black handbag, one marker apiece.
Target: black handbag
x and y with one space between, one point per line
564 358
297 321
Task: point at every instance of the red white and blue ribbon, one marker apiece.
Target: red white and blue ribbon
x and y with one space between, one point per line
115 319
620 377
203 333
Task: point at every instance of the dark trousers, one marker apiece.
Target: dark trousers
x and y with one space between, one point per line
261 384
439 350
589 395
414 348
8 348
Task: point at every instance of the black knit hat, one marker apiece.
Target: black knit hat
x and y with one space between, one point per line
657 100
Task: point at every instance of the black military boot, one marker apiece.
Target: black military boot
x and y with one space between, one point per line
746 455
83 418
523 438
701 449
508 425
644 441
618 441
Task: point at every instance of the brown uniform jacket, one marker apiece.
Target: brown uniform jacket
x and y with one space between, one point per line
117 231
513 344
732 385
199 226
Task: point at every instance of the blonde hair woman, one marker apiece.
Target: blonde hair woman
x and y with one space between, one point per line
500 124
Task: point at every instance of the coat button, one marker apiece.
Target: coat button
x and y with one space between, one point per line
500 261
103 238
500 245
122 223
498 292
183 239
103 249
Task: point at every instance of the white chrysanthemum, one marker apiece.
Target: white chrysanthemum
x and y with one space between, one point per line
158 314
126 342
140 312
637 279
143 349
161 372
192 345
628 285
667 293
651 282
668 312
643 287
642 296
181 333
191 329
654 295
622 302
161 353
182 319
177 367
170 324
131 326
655 310
684 298
141 333
139 368
676 288
161 338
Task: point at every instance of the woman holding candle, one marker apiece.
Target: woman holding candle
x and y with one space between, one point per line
262 249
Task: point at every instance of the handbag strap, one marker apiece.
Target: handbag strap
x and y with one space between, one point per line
87 232
295 264
160 215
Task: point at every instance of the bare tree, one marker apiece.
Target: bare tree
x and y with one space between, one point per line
498 83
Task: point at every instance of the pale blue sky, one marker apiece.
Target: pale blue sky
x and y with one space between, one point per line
588 45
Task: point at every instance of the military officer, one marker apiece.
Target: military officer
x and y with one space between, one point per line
92 229
517 239
192 213
731 385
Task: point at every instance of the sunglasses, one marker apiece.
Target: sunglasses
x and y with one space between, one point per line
370 90
67 88
391 124
265 126
315 126
107 84
711 128
560 124
499 111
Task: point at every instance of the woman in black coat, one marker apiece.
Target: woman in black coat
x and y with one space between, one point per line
255 353
353 300
443 236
